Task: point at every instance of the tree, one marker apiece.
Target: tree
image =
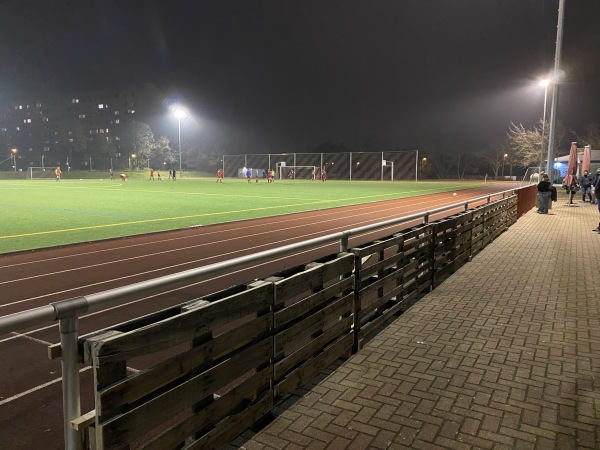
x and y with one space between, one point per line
526 145
495 158
143 141
592 136
163 153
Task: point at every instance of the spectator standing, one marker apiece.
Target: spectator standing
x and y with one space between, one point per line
586 186
111 172
595 180
174 175
544 194
597 191
535 178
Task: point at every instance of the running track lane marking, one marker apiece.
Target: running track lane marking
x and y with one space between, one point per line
136 222
37 388
45 385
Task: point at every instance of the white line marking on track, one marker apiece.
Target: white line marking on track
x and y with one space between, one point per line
37 388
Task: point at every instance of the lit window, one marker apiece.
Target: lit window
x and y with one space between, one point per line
75 100
46 149
20 106
117 121
117 138
82 116
116 113
101 106
4 130
71 140
101 130
39 105
44 119
18 128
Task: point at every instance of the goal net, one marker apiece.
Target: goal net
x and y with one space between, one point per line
40 173
297 172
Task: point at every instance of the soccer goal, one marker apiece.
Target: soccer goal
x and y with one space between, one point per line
40 173
296 172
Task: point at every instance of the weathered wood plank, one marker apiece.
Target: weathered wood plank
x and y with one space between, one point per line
299 309
308 371
227 405
314 277
141 384
376 247
301 331
232 426
132 424
186 326
287 363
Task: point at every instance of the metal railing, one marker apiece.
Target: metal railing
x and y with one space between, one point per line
68 311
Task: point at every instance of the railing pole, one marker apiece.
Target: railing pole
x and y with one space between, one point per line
70 380
344 244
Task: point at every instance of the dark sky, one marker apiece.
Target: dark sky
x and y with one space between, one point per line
279 75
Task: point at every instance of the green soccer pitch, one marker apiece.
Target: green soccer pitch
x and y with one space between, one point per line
46 213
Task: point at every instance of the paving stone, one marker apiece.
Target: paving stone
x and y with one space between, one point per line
509 361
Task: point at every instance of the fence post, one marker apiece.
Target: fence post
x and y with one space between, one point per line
344 244
70 380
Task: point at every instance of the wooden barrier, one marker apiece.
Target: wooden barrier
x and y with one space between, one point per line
213 367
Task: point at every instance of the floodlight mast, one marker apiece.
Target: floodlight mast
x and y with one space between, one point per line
555 83
181 114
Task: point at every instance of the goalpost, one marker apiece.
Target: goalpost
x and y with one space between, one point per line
285 172
40 173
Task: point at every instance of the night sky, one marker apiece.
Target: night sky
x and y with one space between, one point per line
277 75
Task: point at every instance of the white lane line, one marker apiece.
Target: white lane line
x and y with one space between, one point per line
37 388
369 206
297 237
85 316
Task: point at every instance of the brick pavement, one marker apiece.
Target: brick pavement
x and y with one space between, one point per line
503 355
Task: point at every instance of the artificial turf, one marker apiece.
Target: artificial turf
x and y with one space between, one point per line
45 213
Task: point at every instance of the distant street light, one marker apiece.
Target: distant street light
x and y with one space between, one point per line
181 113
133 155
543 83
503 161
14 155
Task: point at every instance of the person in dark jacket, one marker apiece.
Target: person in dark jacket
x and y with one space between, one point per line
595 180
544 194
597 191
586 186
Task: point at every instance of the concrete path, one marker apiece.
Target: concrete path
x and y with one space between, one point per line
503 355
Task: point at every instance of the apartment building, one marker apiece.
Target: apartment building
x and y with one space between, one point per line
73 132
